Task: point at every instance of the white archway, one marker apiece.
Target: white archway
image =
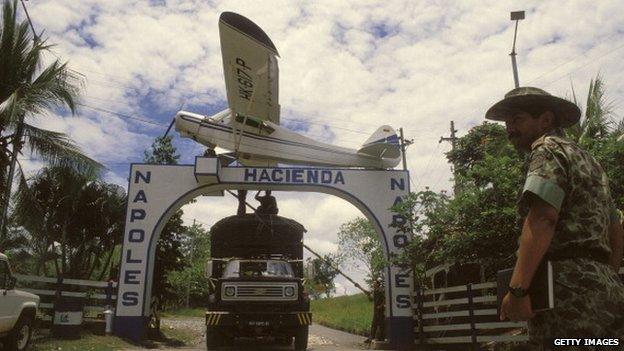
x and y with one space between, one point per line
155 192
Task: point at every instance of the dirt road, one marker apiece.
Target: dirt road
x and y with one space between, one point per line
320 339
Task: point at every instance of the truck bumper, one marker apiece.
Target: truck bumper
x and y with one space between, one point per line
271 320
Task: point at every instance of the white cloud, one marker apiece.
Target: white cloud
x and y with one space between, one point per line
435 61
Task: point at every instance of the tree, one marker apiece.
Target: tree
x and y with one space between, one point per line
72 219
480 223
169 254
27 91
324 275
190 283
360 245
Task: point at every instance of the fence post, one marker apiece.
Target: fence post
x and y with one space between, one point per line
419 307
59 289
109 293
473 330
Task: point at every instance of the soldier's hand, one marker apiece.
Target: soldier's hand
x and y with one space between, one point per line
516 309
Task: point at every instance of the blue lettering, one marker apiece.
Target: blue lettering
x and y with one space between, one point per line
403 301
264 176
136 239
275 173
146 178
297 176
250 174
312 176
397 201
400 280
137 214
131 277
288 176
400 240
129 258
339 178
397 220
140 196
326 177
130 298
399 184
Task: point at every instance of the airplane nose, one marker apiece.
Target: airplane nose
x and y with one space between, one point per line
187 123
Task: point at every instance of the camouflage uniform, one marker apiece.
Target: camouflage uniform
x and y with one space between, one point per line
589 296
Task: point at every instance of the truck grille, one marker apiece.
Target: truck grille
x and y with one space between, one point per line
259 291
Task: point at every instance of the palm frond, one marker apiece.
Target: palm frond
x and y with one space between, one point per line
58 150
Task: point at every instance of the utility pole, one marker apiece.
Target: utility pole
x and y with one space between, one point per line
404 145
453 140
515 16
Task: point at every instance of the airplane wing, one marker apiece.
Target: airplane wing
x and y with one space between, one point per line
250 68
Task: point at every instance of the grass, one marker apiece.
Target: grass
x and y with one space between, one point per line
87 342
184 313
92 339
352 313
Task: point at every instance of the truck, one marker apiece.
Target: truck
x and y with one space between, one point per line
256 281
18 310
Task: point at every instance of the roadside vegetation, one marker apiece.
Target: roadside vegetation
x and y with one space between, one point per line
352 314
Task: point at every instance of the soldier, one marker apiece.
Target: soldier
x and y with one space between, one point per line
569 219
268 205
377 325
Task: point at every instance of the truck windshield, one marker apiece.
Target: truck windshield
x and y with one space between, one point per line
235 269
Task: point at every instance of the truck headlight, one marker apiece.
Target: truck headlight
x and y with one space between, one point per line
289 291
230 291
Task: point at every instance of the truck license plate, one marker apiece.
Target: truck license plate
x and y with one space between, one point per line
259 323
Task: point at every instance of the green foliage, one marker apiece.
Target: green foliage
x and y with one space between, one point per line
72 219
162 152
191 281
324 275
28 90
480 223
359 243
352 313
169 249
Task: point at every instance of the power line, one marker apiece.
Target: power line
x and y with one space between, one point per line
590 62
568 61
123 115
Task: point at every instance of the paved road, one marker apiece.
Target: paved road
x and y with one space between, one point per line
320 339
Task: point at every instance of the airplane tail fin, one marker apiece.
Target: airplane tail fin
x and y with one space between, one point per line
384 143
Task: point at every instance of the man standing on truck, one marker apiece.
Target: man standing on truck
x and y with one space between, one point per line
268 204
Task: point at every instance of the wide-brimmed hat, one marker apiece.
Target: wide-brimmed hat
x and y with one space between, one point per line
565 111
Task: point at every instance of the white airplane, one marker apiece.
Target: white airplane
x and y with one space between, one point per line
250 126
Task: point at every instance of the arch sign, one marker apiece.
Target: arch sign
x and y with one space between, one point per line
155 192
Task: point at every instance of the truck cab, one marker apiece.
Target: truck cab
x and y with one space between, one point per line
17 311
256 277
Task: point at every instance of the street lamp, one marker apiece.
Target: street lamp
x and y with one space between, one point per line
515 16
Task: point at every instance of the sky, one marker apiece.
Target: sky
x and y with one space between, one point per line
346 67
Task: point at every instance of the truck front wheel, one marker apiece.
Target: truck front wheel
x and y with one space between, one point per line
19 338
301 339
213 338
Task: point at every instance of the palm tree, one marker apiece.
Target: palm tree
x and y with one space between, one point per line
597 122
27 90
73 219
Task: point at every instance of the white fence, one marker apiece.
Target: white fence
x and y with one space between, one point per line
464 316
97 294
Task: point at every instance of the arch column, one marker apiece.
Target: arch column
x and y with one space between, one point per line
155 192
